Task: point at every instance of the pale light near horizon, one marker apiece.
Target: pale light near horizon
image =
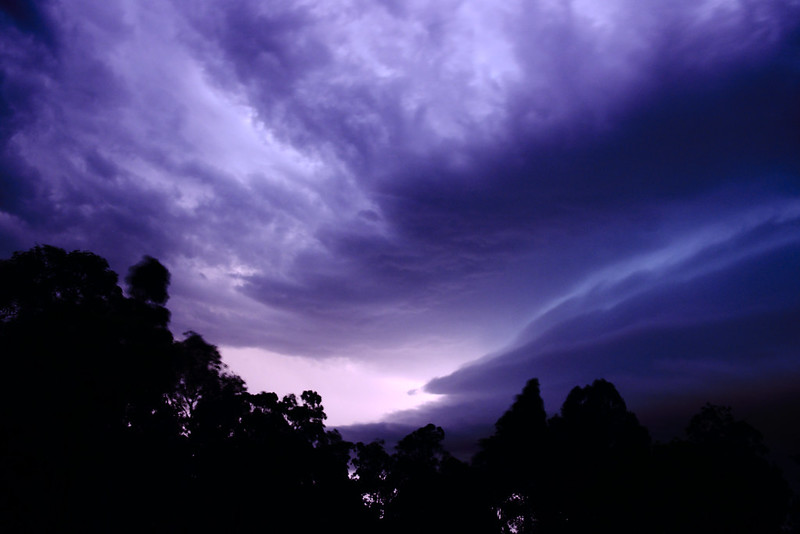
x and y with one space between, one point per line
352 392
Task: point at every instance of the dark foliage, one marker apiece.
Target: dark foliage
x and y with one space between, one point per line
719 479
111 425
148 281
594 469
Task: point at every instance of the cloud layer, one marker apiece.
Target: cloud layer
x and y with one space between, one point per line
483 193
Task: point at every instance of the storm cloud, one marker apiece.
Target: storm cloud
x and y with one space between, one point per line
459 195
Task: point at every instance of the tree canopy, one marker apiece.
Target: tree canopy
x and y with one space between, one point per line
112 424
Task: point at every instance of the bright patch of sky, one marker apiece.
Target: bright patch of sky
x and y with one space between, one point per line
352 391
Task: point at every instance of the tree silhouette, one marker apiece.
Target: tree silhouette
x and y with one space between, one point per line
372 471
515 466
107 417
421 487
202 379
719 479
148 281
85 377
602 453
109 423
577 472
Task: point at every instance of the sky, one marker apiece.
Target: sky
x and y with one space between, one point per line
414 207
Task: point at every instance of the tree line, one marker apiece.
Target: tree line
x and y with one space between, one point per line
110 424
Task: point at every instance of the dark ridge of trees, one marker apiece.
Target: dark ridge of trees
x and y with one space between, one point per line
109 424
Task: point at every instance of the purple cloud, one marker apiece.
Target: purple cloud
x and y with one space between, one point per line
477 192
